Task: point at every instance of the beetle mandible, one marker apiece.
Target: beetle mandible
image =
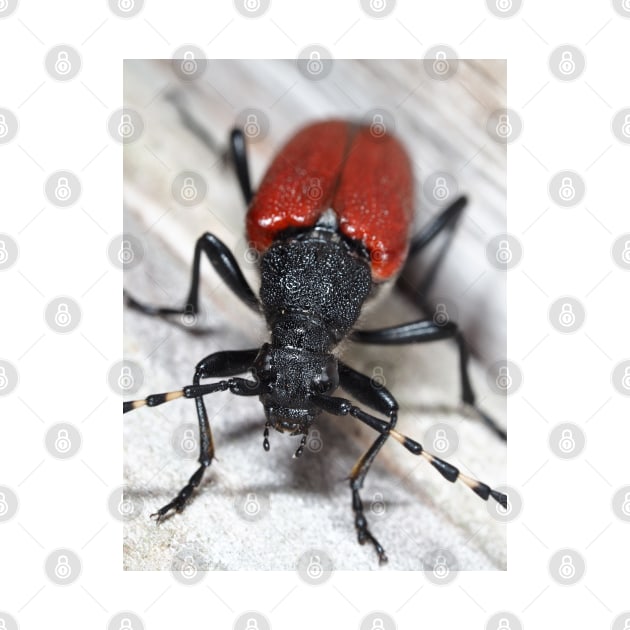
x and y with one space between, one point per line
331 220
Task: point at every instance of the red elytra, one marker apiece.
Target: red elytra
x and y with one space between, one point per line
361 172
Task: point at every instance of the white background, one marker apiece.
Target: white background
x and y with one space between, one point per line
567 378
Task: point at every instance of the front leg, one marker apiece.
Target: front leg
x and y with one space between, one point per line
378 398
215 365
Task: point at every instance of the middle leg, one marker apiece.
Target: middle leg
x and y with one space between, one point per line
380 399
425 330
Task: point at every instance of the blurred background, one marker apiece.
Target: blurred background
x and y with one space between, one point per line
175 124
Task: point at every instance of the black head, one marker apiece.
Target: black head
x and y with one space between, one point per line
288 377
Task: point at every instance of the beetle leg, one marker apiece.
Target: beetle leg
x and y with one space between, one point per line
380 399
215 365
238 155
236 151
446 222
425 330
224 264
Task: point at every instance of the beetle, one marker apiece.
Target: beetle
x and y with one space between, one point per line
331 221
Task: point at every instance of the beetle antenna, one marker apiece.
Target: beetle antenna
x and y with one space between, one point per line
238 386
450 472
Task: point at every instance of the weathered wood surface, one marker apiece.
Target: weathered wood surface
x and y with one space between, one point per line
443 124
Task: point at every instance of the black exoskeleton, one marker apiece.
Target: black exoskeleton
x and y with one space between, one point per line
314 284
